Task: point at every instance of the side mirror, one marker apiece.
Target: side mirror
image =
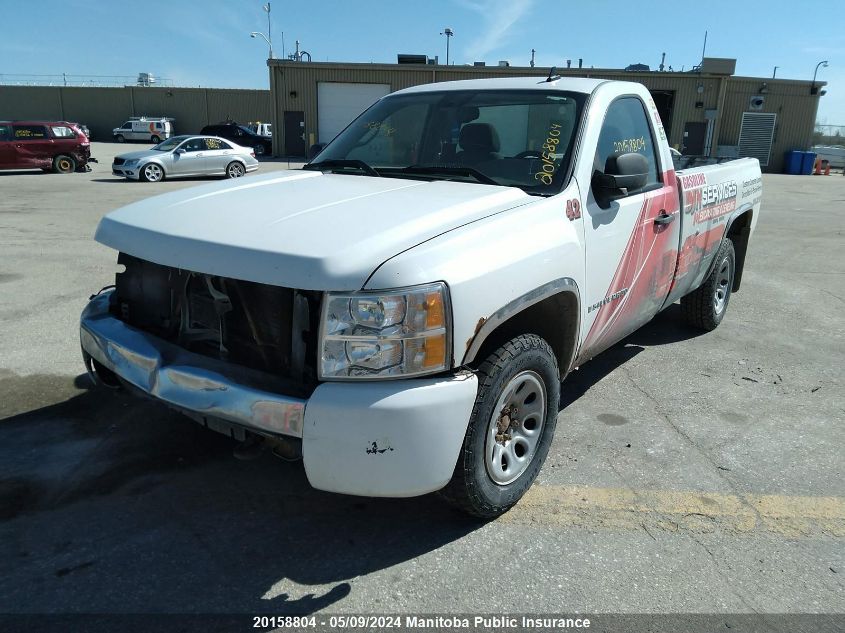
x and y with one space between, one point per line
181 150
315 149
621 171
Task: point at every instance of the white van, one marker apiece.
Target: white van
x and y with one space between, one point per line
150 129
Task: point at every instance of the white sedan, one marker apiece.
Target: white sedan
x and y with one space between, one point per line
181 156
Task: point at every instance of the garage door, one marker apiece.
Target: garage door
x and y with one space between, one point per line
338 104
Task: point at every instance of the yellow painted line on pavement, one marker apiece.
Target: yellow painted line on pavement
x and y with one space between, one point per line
680 511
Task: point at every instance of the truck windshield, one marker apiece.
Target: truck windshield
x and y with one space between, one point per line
516 138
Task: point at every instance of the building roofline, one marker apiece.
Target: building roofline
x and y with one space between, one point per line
538 71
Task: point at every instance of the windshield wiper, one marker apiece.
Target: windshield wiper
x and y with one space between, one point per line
449 171
340 163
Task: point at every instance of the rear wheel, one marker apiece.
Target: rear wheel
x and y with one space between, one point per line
64 164
119 138
511 428
152 172
705 307
155 139
235 169
259 150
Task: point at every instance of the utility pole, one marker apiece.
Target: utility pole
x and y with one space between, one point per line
775 71
532 57
448 33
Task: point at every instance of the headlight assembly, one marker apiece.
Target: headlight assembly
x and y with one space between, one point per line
130 162
385 334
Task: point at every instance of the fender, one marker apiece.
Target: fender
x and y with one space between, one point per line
520 304
739 258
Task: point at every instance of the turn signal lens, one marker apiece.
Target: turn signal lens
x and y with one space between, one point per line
434 311
435 351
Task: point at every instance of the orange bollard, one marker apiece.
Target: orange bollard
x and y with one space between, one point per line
817 168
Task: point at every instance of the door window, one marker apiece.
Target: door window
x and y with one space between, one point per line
126 126
626 130
30 132
62 131
216 143
5 132
194 145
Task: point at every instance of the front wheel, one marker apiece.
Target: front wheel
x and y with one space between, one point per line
705 307
152 173
511 428
120 138
235 169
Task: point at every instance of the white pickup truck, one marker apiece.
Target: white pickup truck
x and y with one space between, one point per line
401 313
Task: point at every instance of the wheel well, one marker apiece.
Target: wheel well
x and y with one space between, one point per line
739 233
555 319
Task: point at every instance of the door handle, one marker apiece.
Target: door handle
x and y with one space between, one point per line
664 218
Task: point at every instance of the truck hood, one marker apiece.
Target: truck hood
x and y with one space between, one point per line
299 229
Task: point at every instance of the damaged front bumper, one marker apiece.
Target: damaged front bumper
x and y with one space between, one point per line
394 438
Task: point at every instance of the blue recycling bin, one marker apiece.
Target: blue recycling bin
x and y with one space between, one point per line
792 162
807 161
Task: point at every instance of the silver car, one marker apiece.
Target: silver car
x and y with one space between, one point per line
186 156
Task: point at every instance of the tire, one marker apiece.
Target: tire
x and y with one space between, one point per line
155 139
151 172
705 307
259 150
64 164
119 138
235 169
493 472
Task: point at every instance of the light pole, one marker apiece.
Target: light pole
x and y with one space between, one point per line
448 33
269 43
266 8
775 71
813 87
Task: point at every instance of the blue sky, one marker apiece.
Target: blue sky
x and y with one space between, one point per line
206 42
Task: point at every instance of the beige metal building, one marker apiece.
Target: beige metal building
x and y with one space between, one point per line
103 109
746 116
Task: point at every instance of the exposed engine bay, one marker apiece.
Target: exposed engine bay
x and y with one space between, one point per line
259 326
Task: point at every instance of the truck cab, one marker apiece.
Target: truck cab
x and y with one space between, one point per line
401 312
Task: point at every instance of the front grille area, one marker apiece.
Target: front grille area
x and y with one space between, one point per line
259 326
118 161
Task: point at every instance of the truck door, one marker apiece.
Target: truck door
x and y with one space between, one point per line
631 241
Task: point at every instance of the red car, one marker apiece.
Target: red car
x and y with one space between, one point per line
56 146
